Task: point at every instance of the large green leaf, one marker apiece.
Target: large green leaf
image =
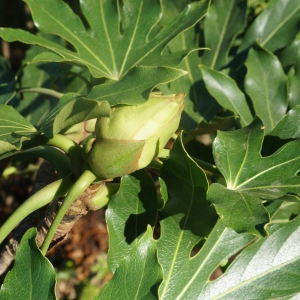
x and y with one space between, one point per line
251 178
225 90
268 269
14 128
275 27
225 19
138 274
117 39
186 217
129 212
33 276
266 84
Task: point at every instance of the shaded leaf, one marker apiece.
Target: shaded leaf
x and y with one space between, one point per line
72 109
214 125
135 87
117 39
266 84
226 92
129 212
14 128
7 82
224 20
289 126
138 275
251 178
275 27
268 269
294 88
33 276
186 217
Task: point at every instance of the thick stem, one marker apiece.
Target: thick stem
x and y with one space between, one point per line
33 203
71 148
44 91
80 185
59 160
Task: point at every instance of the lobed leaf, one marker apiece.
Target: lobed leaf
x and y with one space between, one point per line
117 38
266 84
251 178
138 275
32 276
129 212
185 219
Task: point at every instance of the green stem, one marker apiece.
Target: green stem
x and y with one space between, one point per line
44 196
44 91
77 189
72 149
203 164
60 161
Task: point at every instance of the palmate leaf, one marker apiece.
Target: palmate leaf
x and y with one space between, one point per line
33 276
185 219
251 178
117 38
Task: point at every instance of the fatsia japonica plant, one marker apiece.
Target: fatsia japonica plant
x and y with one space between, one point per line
103 89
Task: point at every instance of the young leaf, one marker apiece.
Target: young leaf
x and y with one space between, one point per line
72 109
117 39
294 88
32 276
225 19
226 92
138 275
266 84
275 27
14 128
186 217
129 212
268 269
251 178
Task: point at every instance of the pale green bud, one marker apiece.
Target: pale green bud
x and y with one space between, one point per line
134 135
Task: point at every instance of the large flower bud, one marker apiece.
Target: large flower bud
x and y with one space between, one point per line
134 135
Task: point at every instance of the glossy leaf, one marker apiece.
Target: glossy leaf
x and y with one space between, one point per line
33 276
138 275
72 109
266 84
275 27
224 21
268 269
251 178
225 90
104 49
186 217
7 82
129 212
14 128
135 87
294 88
289 126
